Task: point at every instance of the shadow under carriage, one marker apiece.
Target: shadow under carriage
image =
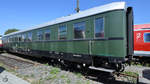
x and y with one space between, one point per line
2 69
146 73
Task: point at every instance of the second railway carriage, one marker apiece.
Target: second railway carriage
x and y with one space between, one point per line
142 40
97 37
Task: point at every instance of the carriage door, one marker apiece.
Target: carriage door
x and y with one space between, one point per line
97 44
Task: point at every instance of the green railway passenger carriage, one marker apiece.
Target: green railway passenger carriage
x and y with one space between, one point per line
97 37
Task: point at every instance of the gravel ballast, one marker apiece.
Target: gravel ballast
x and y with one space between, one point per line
52 75
48 74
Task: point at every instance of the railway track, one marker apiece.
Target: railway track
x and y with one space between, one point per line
16 62
115 78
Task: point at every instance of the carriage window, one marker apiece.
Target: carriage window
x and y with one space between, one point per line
29 36
47 34
24 36
99 27
13 39
62 33
146 37
20 38
79 30
39 35
9 39
17 38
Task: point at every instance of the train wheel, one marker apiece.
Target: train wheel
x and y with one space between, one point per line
120 67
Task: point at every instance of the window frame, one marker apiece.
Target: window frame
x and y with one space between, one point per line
45 31
84 21
37 36
9 41
19 38
144 38
24 37
13 39
29 36
59 31
103 27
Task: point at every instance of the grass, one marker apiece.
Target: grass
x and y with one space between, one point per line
140 64
32 75
147 65
46 64
68 81
38 82
133 74
78 74
55 71
27 76
63 76
87 82
78 82
131 77
51 77
136 63
1 64
48 78
53 74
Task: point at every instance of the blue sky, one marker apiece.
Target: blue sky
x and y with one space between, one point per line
23 14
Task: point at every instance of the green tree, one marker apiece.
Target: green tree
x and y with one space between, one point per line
11 31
